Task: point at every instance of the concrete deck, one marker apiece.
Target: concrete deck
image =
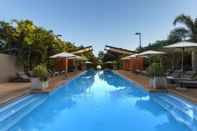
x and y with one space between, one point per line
139 79
188 93
11 91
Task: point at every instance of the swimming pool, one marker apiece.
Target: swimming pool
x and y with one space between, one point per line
104 101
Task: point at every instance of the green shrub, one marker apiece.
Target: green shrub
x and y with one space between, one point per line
41 72
155 70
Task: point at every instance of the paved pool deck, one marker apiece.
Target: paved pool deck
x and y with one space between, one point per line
187 93
139 79
10 91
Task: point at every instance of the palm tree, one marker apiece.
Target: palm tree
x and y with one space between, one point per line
178 34
188 30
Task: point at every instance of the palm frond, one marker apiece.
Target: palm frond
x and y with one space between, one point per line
186 20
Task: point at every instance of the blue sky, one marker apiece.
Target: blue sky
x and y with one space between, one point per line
101 22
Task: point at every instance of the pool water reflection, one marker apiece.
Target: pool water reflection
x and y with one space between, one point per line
99 101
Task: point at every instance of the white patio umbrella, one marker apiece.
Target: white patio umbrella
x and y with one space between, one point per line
128 57
66 56
63 55
182 45
88 62
151 53
131 56
109 62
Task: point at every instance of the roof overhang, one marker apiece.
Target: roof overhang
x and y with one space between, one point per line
118 50
80 51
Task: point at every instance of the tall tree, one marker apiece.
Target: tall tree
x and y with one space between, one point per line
189 26
178 34
189 30
32 44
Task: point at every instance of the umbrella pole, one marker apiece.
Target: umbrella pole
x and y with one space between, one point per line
160 59
182 59
66 68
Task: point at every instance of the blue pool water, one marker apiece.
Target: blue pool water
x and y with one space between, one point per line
104 101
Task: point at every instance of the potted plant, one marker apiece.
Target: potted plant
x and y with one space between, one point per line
156 72
40 79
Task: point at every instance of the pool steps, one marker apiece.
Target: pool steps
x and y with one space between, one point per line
13 112
180 109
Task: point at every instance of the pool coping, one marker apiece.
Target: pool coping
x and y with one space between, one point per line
63 85
171 92
66 82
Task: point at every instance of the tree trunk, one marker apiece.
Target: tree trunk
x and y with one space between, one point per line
194 61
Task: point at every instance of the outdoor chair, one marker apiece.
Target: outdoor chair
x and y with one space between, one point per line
185 78
187 83
51 73
30 73
144 72
137 71
21 77
63 72
56 73
172 77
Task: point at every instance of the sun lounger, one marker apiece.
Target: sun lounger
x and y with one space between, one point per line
21 77
30 73
144 72
179 76
187 83
137 71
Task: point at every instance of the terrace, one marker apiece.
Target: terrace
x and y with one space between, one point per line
133 68
66 69
189 93
11 91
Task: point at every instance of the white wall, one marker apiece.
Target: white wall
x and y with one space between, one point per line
8 67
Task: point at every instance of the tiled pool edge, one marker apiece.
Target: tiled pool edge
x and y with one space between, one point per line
166 91
45 95
66 83
126 78
164 106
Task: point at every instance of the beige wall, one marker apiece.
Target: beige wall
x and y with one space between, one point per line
8 67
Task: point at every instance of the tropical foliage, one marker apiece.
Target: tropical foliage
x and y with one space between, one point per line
189 28
188 31
155 70
32 44
41 72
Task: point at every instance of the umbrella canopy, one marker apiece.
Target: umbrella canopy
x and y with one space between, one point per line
151 52
182 45
88 62
64 55
128 57
109 62
131 56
